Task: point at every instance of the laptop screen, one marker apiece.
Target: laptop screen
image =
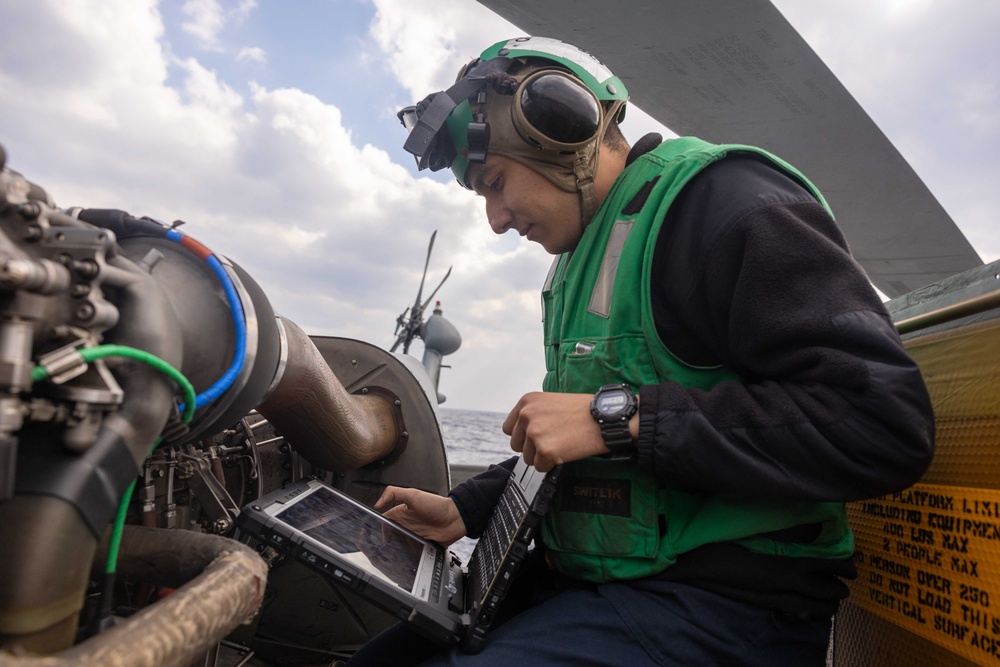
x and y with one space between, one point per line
362 537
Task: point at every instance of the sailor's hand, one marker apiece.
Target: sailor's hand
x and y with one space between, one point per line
549 428
427 514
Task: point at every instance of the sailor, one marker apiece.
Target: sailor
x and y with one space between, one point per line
721 378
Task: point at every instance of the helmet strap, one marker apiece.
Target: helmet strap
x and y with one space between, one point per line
585 186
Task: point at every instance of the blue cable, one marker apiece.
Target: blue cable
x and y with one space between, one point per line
239 320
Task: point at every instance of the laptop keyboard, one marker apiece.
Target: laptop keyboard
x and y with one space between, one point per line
499 533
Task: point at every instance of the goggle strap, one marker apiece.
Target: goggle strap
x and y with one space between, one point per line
423 131
435 115
488 67
585 186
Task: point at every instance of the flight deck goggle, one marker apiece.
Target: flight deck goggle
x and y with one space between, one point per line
552 111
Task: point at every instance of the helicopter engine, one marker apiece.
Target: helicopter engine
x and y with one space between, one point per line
132 357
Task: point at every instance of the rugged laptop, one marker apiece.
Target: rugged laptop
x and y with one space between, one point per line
417 580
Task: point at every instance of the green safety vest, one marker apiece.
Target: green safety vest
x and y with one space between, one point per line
614 520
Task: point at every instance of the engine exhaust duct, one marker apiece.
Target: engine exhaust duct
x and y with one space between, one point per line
227 589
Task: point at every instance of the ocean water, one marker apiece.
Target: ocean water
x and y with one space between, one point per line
474 436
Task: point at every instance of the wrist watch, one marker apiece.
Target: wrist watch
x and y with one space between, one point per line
612 407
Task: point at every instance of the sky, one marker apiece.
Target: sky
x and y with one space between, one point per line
269 127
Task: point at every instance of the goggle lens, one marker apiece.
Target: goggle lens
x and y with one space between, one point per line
408 117
559 109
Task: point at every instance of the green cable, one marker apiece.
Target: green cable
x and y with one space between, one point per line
111 564
90 354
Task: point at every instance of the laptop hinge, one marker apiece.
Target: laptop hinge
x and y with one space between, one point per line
457 589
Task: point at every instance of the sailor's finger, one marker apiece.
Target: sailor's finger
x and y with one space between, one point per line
519 435
512 418
529 451
390 495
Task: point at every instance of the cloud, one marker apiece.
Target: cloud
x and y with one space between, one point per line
243 9
205 21
251 54
200 151
975 106
427 42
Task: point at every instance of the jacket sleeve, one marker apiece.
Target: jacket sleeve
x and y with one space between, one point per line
753 273
476 497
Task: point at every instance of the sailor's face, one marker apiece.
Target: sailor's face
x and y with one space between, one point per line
521 199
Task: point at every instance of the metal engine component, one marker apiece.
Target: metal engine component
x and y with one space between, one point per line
80 423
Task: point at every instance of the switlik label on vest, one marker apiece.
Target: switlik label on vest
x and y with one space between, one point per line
596 495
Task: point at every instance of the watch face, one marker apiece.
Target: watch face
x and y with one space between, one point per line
611 402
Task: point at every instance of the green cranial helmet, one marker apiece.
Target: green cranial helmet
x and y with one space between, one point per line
536 100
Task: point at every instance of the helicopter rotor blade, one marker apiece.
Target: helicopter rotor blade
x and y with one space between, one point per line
409 323
424 307
399 339
401 320
427 263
